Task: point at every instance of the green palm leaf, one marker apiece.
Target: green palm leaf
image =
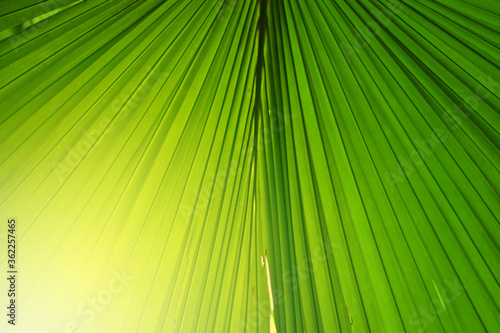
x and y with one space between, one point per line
258 166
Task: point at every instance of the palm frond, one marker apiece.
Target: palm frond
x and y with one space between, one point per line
257 166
